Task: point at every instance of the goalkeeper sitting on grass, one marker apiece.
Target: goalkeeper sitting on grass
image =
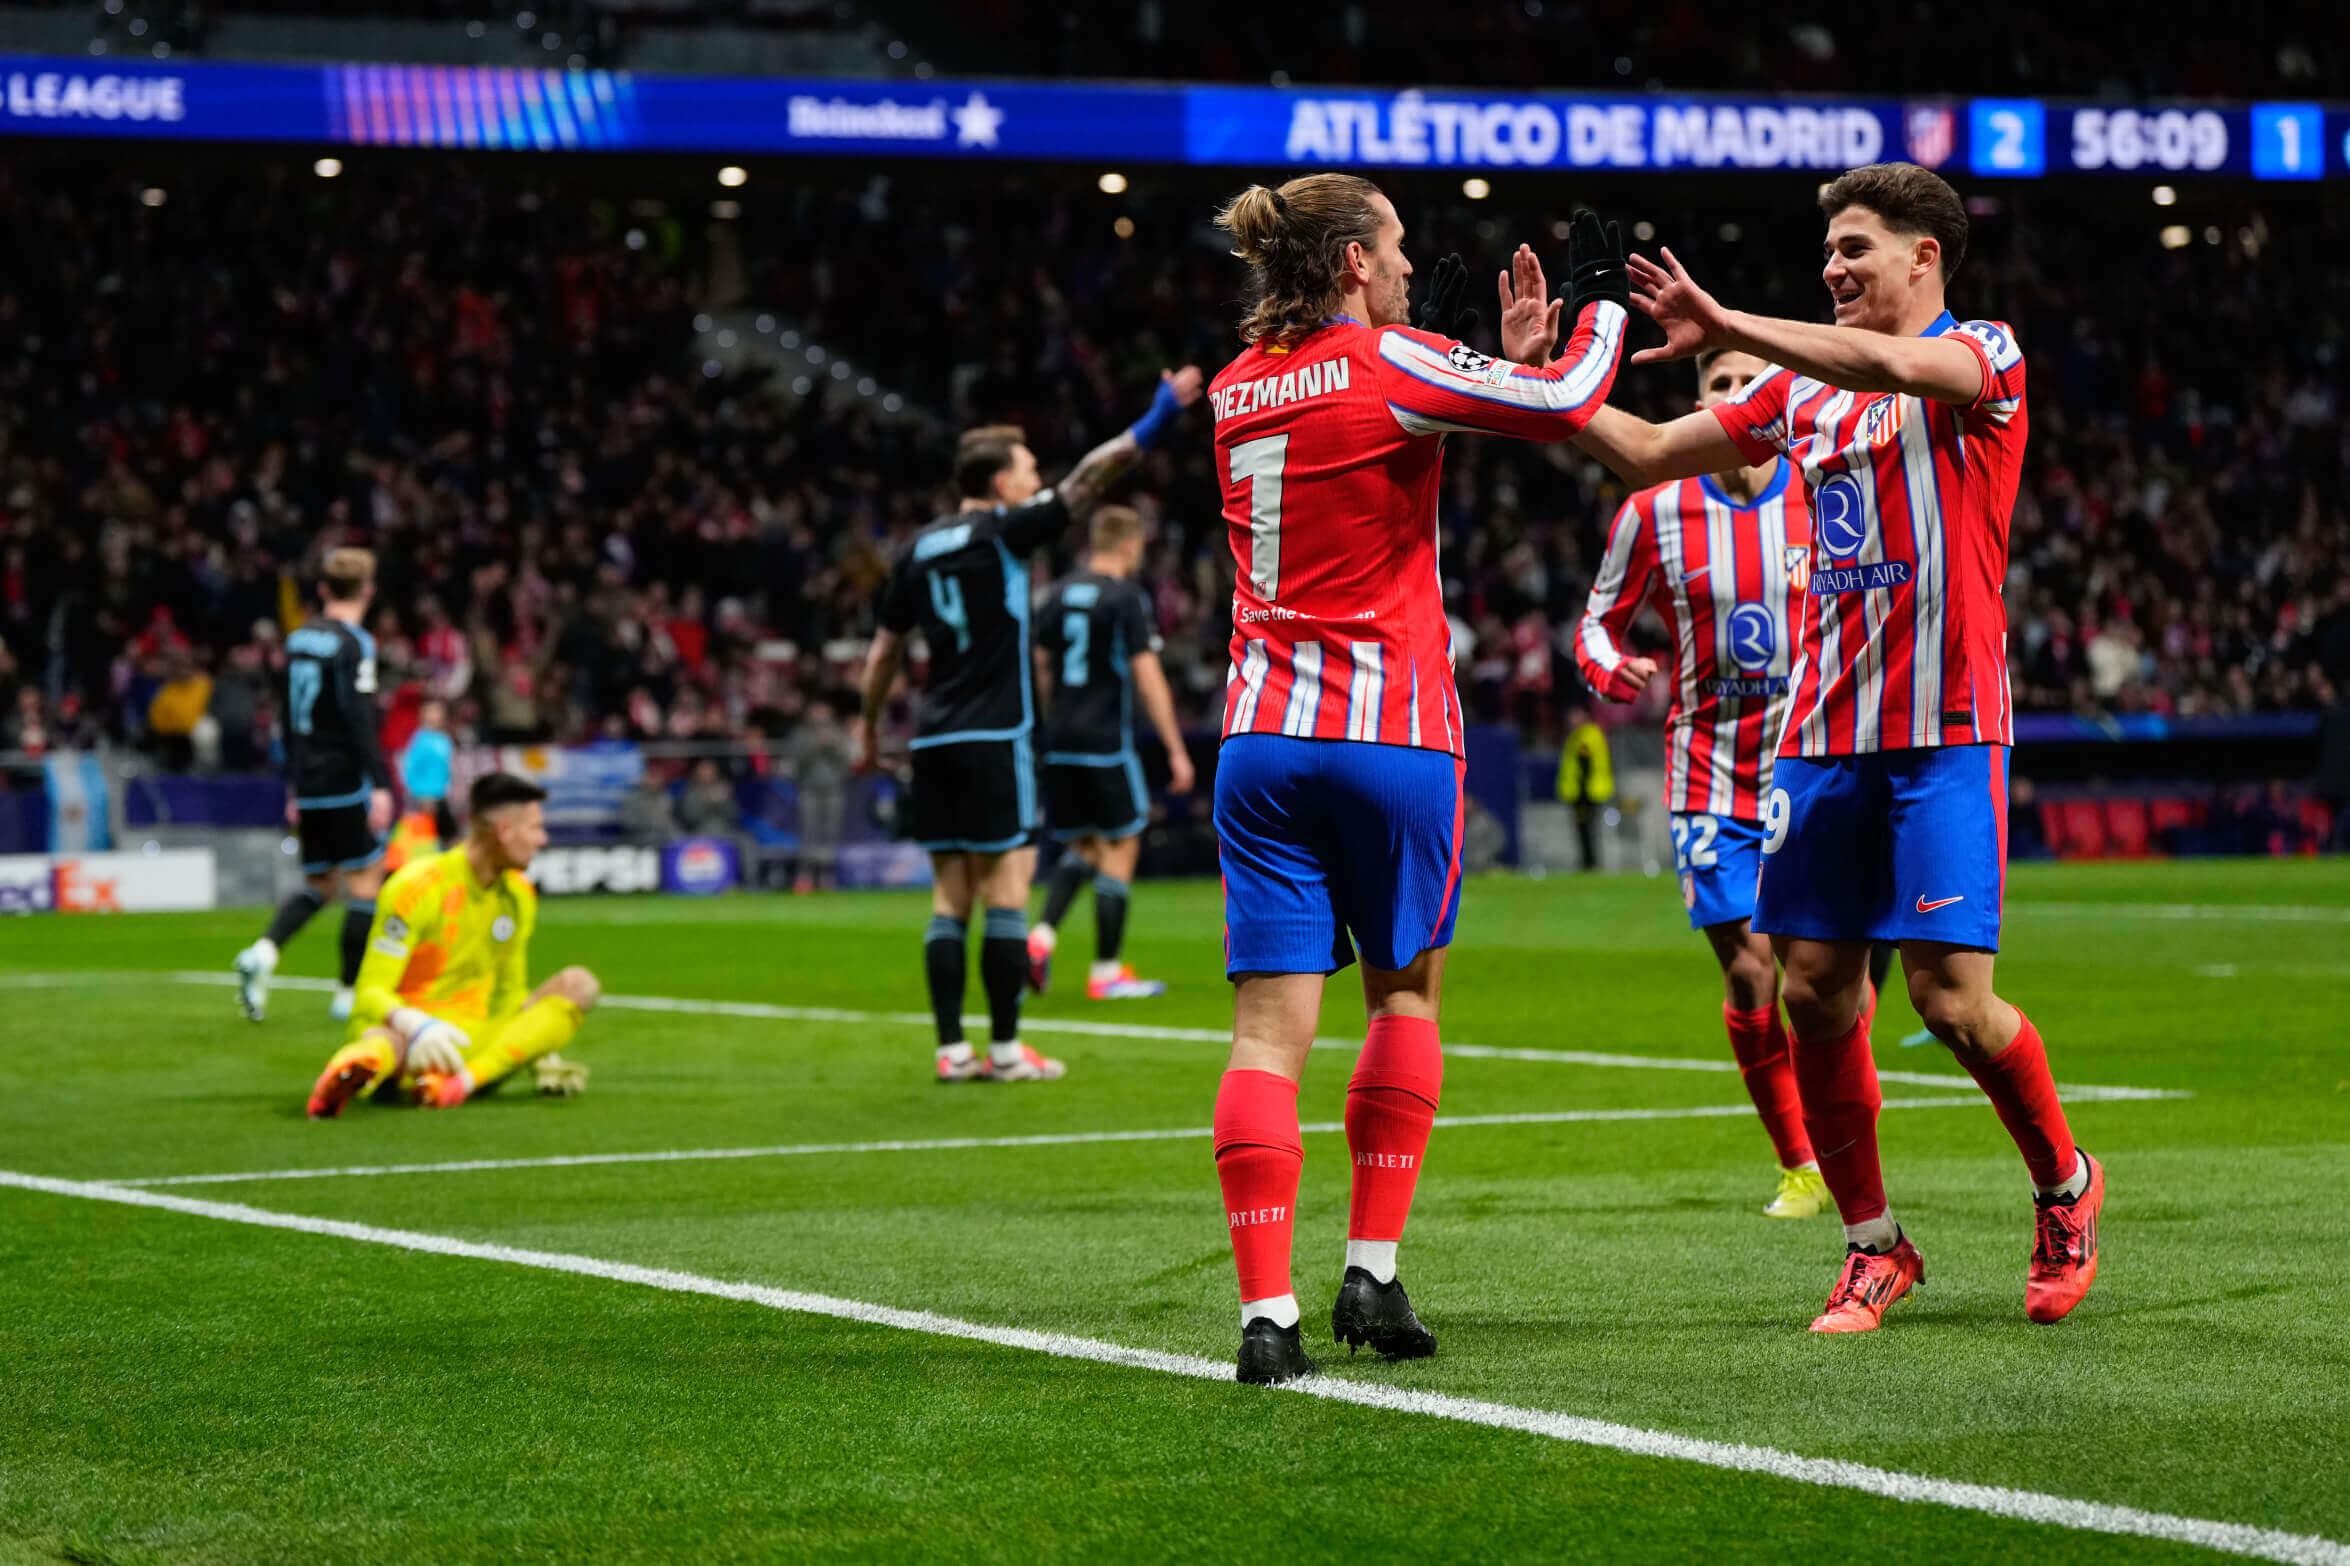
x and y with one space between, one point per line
444 1011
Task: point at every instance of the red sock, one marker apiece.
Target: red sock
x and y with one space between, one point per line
1258 1156
2017 1082
1390 1105
1759 1040
1838 1079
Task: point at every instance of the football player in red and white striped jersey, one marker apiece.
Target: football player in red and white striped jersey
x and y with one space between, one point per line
1887 812
1338 784
1722 558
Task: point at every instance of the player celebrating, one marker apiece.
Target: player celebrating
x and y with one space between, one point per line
1722 559
444 1010
964 582
1338 790
1887 811
1096 650
341 790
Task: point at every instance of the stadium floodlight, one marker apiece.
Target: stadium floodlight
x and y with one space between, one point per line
327 168
733 175
1476 189
1112 183
2165 196
1123 228
2176 237
1644 231
152 196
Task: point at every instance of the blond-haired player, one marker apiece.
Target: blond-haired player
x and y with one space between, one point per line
444 1010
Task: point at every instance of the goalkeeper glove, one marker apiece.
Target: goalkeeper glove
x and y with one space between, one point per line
433 1045
1440 307
558 1078
1595 265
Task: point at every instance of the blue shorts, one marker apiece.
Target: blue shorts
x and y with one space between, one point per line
1720 858
1323 839
1901 845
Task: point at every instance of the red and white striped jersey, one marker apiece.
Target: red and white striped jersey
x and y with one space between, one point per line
1727 578
1330 451
1905 631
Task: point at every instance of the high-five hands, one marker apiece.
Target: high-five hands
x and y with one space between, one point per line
1689 316
1440 309
1529 316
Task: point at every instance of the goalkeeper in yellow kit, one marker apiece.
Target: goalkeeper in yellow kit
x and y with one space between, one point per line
444 1008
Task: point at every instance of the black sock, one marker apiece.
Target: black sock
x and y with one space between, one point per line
1109 917
943 961
292 914
1003 969
1068 876
357 916
1880 962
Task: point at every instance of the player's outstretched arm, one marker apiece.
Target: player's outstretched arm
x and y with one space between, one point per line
1641 453
1101 467
1840 356
1617 595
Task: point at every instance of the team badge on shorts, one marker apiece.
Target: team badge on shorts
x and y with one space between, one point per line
1688 890
502 928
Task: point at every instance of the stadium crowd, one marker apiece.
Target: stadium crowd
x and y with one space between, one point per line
588 532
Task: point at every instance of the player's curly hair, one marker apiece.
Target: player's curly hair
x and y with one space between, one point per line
1911 200
1294 240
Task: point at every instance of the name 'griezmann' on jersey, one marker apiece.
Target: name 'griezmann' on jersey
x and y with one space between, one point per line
1329 450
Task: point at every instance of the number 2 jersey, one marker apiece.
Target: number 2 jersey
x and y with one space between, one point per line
1089 628
333 754
1905 631
963 582
1330 452
1727 578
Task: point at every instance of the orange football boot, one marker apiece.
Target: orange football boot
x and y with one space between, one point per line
355 1069
444 1089
2064 1249
1869 1285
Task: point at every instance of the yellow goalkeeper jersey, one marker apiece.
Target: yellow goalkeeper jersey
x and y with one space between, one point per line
446 944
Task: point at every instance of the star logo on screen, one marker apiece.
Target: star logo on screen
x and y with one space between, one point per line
976 122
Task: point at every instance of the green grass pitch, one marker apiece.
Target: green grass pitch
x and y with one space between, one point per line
177 1388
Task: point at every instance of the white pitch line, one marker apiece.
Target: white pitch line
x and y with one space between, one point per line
2250 913
762 1011
1993 1500
959 1143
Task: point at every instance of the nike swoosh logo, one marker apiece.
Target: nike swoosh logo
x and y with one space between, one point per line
1694 575
1939 902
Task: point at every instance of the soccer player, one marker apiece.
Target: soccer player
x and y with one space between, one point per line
1096 651
963 582
1886 818
1339 783
341 790
1722 559
445 1010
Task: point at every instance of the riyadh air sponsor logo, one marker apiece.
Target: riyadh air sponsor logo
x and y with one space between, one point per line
1754 636
1744 685
1250 1217
1860 579
1841 518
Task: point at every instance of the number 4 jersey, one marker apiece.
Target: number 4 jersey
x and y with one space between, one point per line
1330 453
964 582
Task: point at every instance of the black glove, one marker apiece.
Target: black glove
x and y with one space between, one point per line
1595 266
1440 306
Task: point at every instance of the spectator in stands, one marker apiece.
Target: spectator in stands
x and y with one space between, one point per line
707 806
1586 781
177 713
647 814
818 755
241 704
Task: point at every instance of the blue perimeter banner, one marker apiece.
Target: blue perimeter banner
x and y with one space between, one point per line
1253 127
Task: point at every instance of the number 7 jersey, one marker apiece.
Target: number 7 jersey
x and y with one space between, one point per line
1330 454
